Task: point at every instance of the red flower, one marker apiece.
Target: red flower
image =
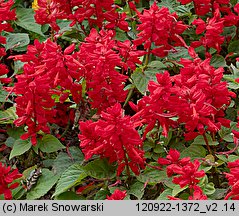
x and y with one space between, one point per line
48 11
113 137
188 174
187 170
171 159
6 15
197 194
47 68
105 84
160 27
6 178
213 30
117 195
233 178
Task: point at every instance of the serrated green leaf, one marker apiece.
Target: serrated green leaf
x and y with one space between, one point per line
3 95
199 140
49 144
141 79
101 194
226 134
164 195
194 152
18 192
19 148
233 47
69 195
64 161
152 176
44 184
16 41
178 53
8 116
100 169
209 188
70 178
25 19
137 189
219 194
177 189
218 61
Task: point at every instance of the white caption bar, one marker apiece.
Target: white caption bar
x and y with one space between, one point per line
122 208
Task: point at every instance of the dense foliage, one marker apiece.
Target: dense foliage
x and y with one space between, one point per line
119 99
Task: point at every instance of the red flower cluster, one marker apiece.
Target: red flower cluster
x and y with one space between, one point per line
161 28
202 7
113 137
99 57
233 178
117 195
6 178
47 68
197 97
6 15
98 13
211 30
187 173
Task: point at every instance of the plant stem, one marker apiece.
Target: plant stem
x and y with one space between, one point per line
206 141
147 58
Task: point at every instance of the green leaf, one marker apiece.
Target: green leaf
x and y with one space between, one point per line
64 160
3 95
10 142
16 41
194 152
233 47
49 144
25 19
164 195
8 116
20 147
199 140
209 188
178 53
18 192
121 35
137 189
177 189
69 195
218 61
15 132
141 79
70 178
218 194
100 169
44 184
101 194
226 134
152 176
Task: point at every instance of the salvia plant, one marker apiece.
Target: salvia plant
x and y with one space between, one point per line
119 99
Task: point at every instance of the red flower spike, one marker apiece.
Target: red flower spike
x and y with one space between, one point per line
161 28
233 178
113 137
46 68
117 195
188 174
6 178
6 15
99 57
